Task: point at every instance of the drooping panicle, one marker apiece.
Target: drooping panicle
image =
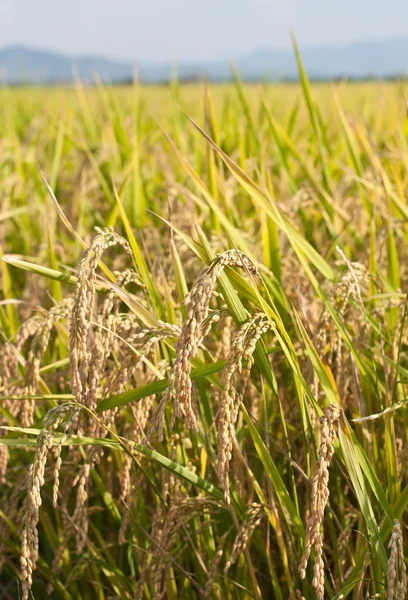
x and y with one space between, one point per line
195 324
320 496
234 381
397 571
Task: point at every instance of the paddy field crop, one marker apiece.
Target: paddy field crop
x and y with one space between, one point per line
204 343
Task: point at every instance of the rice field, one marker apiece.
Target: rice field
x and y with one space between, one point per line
204 347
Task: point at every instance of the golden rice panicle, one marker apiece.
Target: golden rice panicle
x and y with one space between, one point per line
29 537
320 496
88 357
214 565
4 458
253 517
8 370
197 302
141 413
180 513
66 424
213 317
328 341
106 324
225 338
159 516
139 342
38 348
397 573
9 352
13 515
234 379
349 286
82 313
80 516
39 329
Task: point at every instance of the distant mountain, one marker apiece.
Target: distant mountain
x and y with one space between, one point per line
31 65
379 58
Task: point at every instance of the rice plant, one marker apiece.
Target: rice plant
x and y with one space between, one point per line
204 345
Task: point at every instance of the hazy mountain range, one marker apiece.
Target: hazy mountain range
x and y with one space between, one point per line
379 58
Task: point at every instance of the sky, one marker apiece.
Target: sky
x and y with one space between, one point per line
192 30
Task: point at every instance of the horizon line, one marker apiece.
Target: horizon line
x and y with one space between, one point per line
225 58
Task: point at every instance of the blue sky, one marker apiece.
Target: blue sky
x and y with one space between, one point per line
163 30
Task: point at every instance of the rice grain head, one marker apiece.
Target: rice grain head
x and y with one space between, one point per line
234 379
320 496
29 538
194 327
82 313
397 573
252 519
